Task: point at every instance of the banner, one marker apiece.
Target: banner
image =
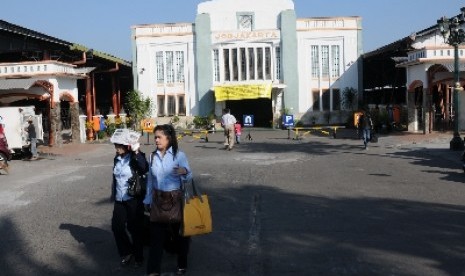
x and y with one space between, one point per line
242 92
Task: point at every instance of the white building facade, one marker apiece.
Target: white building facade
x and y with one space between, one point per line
430 82
254 57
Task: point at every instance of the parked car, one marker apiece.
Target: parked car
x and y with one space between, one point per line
15 122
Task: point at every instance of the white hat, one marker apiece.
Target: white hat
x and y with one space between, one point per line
125 136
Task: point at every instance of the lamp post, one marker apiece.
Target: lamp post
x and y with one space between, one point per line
454 36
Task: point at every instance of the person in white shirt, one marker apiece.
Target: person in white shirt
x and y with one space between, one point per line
228 121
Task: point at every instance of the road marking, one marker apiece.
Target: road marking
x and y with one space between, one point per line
254 250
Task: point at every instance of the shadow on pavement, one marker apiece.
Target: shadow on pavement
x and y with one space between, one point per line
309 235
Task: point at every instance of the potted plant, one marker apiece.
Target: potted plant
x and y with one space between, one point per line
89 130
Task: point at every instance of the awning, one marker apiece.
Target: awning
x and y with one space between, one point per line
12 90
9 84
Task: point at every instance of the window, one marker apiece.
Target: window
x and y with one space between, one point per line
268 63
216 65
169 67
251 63
179 66
335 71
243 64
260 63
325 61
234 64
326 98
315 62
278 63
336 99
182 105
172 63
316 100
160 67
171 105
161 105
227 75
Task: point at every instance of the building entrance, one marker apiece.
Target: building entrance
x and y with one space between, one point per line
260 108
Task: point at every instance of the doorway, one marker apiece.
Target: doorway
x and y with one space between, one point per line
261 109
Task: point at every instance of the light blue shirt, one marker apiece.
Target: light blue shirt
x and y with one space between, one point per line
162 175
122 172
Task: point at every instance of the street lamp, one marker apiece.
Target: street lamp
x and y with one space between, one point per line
454 36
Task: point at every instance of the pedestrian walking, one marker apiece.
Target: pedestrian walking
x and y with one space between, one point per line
3 147
169 167
32 137
128 211
238 131
228 121
365 124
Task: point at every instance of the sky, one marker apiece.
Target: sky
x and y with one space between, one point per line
105 25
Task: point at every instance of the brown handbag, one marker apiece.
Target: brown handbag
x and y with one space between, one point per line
166 206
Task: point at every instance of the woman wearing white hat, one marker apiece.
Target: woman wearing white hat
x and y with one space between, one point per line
128 212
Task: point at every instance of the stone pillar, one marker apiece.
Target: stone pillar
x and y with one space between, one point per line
82 129
75 125
55 123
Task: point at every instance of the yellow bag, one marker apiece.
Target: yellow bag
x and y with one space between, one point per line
197 219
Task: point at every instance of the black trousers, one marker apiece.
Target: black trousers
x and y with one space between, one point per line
160 235
129 215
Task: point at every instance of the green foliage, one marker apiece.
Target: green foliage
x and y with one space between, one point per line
175 119
349 98
138 107
201 122
111 127
101 134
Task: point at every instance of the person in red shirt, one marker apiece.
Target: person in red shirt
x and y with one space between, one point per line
238 131
4 146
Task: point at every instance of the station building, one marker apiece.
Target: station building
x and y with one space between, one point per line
67 83
254 57
416 73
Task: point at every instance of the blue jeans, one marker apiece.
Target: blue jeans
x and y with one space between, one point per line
34 147
366 135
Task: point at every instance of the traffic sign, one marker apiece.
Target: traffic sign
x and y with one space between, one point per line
248 120
288 120
148 125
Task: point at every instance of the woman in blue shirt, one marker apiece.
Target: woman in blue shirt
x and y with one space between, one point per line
128 212
168 168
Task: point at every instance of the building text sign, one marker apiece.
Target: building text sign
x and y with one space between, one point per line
242 92
246 35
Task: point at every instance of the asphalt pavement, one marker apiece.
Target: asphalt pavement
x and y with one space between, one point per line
315 205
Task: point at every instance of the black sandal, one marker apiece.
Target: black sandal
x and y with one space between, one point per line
126 260
181 271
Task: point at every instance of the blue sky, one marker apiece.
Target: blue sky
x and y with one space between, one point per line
104 25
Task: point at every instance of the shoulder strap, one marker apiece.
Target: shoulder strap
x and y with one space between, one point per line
152 155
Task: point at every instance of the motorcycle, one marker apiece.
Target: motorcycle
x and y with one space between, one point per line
5 154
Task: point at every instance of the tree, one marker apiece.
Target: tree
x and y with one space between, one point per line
138 107
349 98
